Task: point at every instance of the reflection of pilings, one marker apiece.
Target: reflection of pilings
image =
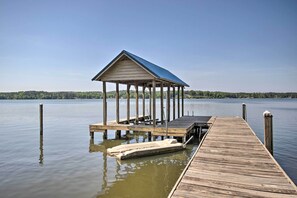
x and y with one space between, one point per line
41 150
91 144
104 183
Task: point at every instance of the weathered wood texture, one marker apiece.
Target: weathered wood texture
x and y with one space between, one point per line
232 162
126 70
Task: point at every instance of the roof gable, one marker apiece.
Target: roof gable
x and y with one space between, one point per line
152 69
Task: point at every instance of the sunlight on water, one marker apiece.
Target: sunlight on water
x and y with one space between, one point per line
67 163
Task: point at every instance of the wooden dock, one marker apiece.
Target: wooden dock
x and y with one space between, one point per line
179 127
232 161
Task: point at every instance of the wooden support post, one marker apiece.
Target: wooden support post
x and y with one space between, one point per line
168 103
268 131
244 111
150 103
173 102
149 136
118 134
143 101
128 103
162 103
137 105
104 104
41 118
182 93
117 103
154 103
105 134
178 101
184 139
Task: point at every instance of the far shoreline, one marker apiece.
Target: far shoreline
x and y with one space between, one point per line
191 94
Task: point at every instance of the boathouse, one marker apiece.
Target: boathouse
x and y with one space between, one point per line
131 70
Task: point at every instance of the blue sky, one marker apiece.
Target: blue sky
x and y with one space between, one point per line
220 45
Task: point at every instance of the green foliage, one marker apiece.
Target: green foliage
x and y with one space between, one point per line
192 94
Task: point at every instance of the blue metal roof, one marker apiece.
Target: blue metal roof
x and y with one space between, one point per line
155 70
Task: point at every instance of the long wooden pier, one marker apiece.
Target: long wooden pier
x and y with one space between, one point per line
232 161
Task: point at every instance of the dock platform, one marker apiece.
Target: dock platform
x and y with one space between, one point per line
179 127
232 162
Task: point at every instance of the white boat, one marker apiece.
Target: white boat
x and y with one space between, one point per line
127 151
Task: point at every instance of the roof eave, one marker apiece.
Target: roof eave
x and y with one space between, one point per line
108 65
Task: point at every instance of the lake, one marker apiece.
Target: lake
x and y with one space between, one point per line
67 163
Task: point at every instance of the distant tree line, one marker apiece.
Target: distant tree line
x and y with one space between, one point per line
28 95
219 94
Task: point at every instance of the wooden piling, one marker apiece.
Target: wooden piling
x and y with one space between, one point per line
268 131
137 105
178 101
182 95
41 118
161 103
150 103
154 103
117 104
168 103
143 100
104 134
128 103
173 102
104 103
244 114
118 134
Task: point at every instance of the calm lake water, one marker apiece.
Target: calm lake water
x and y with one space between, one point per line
66 163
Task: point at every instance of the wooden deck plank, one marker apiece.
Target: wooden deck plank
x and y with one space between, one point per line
230 162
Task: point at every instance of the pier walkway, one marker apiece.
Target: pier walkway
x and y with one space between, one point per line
232 161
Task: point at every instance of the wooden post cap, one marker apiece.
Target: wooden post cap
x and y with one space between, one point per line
267 114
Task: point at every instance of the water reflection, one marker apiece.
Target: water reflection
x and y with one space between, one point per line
142 177
41 150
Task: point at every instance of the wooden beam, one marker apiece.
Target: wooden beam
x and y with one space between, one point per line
143 100
182 95
137 105
154 103
128 103
168 103
104 103
162 103
173 102
117 103
178 101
